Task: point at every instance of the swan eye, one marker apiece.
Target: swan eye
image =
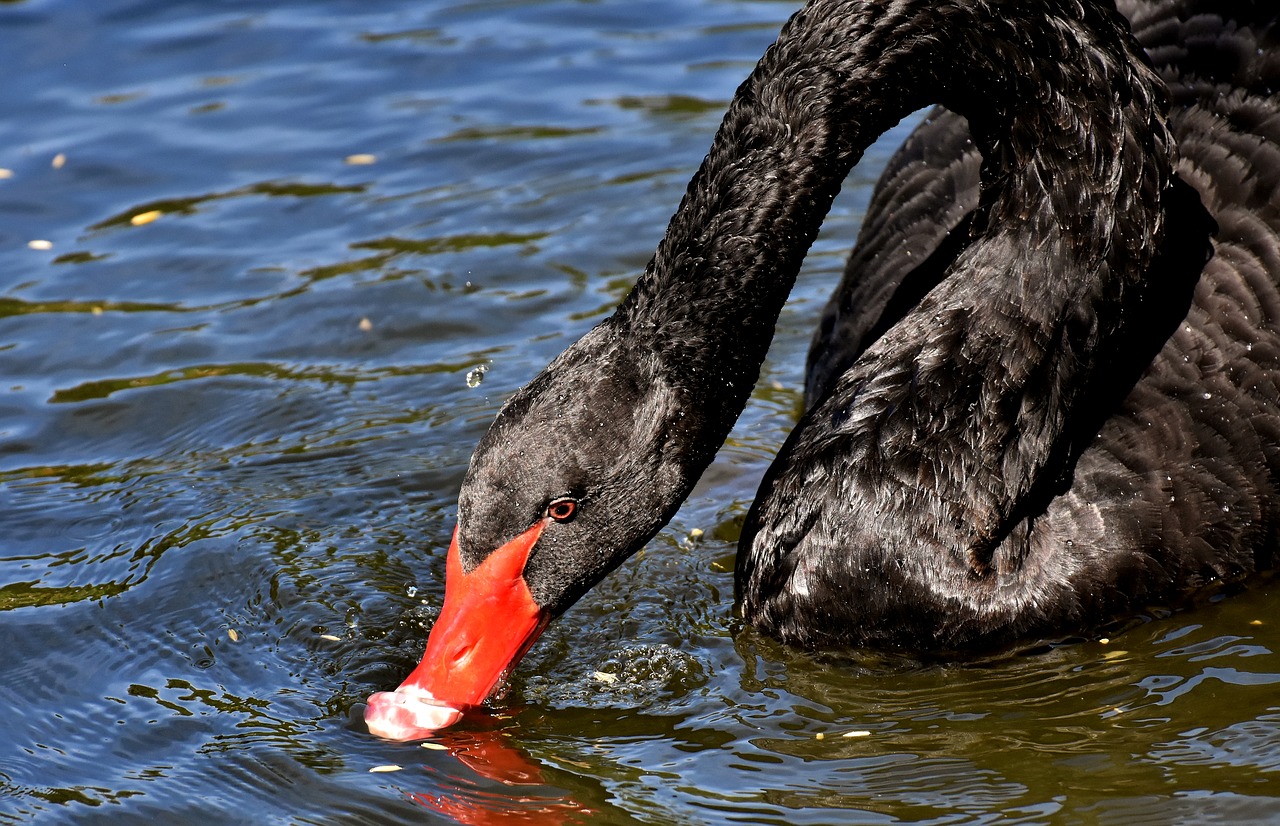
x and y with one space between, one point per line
563 510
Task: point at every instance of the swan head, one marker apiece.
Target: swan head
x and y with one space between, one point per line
581 467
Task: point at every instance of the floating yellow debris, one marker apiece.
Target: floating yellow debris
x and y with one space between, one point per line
1255 622
365 325
233 634
145 217
330 638
1104 640
96 310
857 733
819 736
1111 655
696 533
362 159
59 161
435 746
40 244
605 677
388 768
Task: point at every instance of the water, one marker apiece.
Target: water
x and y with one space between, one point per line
231 437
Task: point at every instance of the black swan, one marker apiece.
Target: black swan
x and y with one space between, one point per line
1045 396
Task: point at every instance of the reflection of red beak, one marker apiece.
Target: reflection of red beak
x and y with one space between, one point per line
488 622
490 755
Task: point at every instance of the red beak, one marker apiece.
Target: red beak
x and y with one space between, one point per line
488 622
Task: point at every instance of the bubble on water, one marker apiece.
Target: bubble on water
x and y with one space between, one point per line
635 676
476 375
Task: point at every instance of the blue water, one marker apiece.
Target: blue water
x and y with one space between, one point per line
235 410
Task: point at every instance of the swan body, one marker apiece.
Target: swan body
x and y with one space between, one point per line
1045 395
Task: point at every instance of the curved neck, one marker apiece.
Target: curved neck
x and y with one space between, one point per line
1076 158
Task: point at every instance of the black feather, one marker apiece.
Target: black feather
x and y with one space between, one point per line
1046 393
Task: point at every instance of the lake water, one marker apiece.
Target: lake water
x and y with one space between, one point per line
280 242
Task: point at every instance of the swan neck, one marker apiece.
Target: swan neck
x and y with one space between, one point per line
1058 96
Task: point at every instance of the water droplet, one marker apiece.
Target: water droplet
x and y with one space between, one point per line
1226 509
1208 395
476 375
